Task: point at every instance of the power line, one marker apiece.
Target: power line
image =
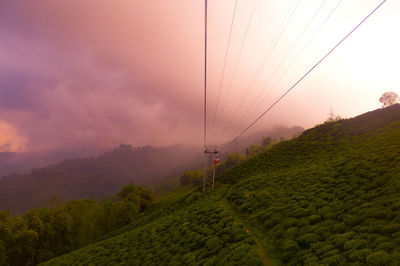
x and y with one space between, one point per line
289 15
253 106
205 73
237 63
311 69
297 57
224 67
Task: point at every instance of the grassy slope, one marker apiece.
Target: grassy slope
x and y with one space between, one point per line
332 198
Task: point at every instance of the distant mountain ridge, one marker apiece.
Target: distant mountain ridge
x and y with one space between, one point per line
94 177
103 175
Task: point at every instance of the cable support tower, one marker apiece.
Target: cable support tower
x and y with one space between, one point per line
208 150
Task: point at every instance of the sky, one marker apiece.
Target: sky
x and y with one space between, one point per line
97 73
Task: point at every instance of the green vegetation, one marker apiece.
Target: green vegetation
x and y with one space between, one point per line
194 228
328 197
93 178
194 177
333 196
41 234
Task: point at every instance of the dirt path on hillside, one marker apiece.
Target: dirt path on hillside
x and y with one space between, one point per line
261 248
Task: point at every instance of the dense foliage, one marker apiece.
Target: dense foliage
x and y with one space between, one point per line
196 229
192 177
41 234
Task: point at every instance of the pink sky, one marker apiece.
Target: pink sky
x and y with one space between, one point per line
99 73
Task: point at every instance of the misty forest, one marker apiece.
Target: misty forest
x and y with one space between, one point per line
174 132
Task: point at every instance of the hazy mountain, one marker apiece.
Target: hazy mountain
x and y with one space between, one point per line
93 177
23 162
103 175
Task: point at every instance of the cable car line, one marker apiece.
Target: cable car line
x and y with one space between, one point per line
236 64
232 133
223 69
288 17
297 57
310 70
253 106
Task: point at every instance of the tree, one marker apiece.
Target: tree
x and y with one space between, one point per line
389 98
141 197
194 177
266 142
186 178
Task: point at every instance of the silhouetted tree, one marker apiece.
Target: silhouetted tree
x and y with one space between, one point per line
194 177
389 98
266 142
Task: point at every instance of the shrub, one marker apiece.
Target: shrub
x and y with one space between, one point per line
379 258
306 240
359 255
313 219
354 244
334 260
214 243
386 246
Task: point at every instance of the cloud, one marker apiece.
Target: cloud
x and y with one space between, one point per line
71 77
10 141
98 73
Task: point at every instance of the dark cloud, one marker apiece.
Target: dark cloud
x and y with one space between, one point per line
74 75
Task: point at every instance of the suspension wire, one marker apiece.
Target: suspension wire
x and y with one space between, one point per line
296 58
236 65
310 70
205 74
223 70
288 17
314 34
253 106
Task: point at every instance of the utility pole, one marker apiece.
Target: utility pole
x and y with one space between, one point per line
209 181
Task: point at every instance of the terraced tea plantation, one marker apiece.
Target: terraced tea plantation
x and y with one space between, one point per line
196 229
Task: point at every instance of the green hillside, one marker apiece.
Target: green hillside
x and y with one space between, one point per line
332 197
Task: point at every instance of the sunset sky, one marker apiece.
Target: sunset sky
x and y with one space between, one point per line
97 73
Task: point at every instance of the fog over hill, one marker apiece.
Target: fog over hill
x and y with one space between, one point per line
93 177
55 178
23 162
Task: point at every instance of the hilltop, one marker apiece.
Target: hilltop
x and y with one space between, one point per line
328 197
